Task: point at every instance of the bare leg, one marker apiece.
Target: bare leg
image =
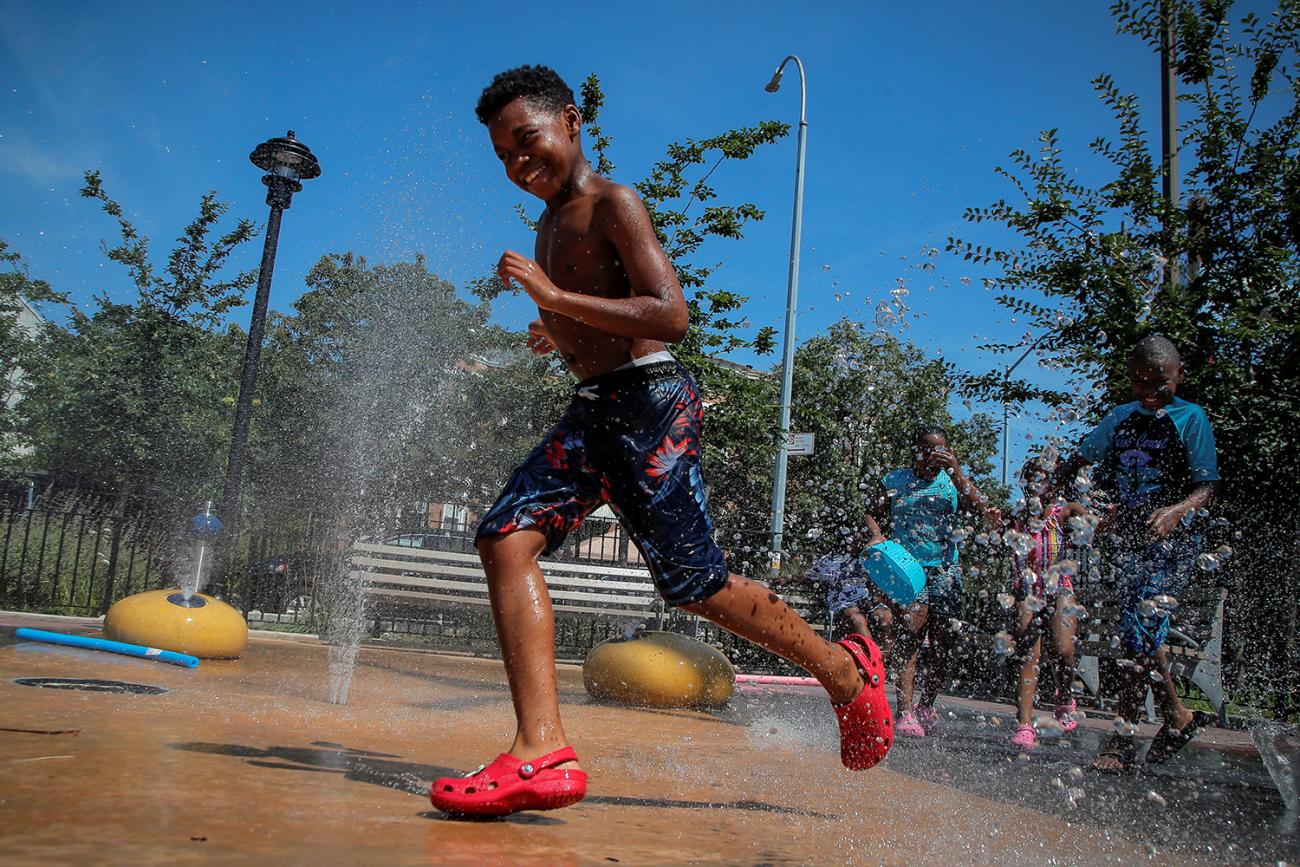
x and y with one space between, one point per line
755 613
909 643
852 616
1127 703
521 609
942 639
1028 685
1176 714
886 629
1064 628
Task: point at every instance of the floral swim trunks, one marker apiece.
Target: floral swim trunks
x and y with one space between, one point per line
630 438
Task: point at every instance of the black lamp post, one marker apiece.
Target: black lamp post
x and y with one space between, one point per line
286 162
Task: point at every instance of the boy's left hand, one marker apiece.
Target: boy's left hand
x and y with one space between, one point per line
529 275
1164 521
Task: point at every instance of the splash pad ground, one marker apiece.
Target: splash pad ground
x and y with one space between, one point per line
245 760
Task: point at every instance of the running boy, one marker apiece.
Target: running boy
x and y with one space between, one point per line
608 301
1157 453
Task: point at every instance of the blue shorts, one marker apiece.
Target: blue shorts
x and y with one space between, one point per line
943 590
1149 579
630 438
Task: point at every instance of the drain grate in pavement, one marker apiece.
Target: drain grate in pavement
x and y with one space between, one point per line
90 684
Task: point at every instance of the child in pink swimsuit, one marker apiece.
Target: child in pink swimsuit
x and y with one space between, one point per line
1044 592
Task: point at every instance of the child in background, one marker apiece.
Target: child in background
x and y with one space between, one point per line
1157 452
1044 593
923 502
846 583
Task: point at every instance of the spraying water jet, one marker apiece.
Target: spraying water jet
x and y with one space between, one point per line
181 619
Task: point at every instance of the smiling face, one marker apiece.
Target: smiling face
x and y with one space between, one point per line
1154 383
538 148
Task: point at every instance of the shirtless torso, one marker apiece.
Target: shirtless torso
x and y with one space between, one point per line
576 248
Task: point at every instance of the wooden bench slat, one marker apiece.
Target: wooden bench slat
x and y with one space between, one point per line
470 600
546 564
441 584
439 569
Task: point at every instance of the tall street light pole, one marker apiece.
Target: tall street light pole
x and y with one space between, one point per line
286 162
791 298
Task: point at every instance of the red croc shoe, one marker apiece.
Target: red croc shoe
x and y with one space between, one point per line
509 785
866 723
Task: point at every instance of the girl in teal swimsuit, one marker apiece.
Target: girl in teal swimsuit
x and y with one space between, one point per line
922 502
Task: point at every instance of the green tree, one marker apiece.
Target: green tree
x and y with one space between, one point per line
19 340
1099 267
130 395
862 394
366 409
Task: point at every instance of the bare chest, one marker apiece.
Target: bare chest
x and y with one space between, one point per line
575 254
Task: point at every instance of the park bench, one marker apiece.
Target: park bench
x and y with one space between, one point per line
402 579
431 578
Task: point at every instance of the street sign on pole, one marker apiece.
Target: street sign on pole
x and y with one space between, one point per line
799 443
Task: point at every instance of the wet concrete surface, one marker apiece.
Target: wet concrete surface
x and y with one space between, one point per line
245 760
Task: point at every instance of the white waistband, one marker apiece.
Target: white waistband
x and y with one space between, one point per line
652 358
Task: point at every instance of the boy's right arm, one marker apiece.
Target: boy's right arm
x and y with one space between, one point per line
878 505
654 309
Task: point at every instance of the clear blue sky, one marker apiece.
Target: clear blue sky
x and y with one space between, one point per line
910 106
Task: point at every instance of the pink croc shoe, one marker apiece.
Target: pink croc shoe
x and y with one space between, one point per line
1066 713
909 726
866 723
509 785
928 717
1024 738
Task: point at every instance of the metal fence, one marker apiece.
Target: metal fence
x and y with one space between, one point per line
80 560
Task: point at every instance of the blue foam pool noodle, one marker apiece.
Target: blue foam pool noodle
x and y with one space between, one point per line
88 643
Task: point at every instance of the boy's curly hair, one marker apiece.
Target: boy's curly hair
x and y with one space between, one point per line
1154 349
540 85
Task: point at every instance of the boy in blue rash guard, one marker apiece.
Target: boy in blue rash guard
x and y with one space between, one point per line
1157 455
